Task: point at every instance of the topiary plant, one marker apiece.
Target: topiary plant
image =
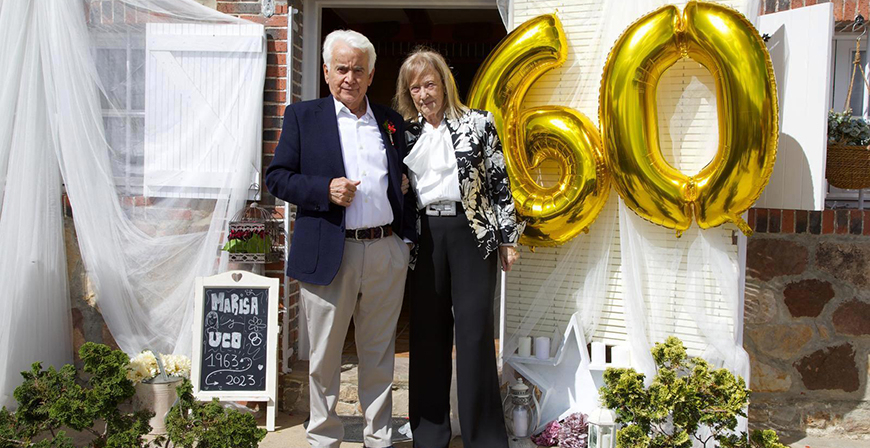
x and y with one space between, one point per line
50 400
686 394
209 425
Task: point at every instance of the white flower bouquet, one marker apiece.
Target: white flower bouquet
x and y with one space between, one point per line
144 367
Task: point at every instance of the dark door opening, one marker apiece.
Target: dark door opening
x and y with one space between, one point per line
465 37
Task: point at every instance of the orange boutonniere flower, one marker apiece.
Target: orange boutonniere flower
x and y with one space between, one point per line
391 129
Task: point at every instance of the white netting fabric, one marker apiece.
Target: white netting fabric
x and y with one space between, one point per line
150 113
629 282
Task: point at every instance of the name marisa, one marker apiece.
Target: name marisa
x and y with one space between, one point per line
234 304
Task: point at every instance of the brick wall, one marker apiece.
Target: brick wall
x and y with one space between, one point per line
844 10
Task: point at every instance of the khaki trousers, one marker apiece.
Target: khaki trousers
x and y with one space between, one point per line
369 288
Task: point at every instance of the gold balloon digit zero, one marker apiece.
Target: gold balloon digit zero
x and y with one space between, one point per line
724 42
554 214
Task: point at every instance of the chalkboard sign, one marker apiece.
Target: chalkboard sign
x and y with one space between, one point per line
235 339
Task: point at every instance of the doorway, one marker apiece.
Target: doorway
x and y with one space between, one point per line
465 37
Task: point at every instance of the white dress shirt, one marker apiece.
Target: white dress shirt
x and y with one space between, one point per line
365 160
432 163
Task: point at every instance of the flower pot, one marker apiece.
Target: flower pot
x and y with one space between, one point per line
157 397
848 167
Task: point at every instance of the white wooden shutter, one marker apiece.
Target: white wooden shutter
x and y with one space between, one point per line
696 135
194 123
800 48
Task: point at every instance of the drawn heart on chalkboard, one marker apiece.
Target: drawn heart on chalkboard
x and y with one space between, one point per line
259 366
237 277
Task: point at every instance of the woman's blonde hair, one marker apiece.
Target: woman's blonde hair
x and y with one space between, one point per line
420 60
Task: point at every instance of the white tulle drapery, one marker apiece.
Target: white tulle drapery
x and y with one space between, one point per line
628 282
93 94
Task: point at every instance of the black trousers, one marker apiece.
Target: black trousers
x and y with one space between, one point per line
453 285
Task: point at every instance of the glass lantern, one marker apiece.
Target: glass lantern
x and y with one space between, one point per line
521 410
602 428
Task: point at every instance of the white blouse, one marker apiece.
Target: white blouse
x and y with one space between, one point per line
432 163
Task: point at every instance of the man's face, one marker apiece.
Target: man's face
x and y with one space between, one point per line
349 76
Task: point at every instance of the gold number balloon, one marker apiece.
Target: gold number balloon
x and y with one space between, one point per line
555 214
724 42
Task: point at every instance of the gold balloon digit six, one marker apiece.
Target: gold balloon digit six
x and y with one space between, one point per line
555 214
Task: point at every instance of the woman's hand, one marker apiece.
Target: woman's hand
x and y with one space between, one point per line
509 256
406 184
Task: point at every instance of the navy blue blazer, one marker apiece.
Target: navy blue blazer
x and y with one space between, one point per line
307 158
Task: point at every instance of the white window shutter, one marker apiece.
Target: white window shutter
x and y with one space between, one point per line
195 119
800 48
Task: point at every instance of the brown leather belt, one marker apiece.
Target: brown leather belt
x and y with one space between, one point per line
371 233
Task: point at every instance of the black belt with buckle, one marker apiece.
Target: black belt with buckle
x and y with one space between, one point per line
372 233
444 208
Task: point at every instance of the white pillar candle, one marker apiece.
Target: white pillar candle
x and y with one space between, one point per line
542 347
605 441
621 356
525 347
520 418
598 353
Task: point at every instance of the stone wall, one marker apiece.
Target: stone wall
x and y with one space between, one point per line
807 322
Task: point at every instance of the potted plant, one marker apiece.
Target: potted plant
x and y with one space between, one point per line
51 401
155 379
686 395
848 161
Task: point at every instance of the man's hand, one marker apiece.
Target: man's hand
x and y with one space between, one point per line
342 190
508 255
406 184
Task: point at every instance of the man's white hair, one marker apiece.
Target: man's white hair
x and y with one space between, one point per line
353 40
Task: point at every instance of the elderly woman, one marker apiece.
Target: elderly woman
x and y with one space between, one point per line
466 223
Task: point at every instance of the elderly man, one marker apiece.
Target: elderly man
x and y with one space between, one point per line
339 159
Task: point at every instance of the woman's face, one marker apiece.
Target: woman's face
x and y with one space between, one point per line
427 91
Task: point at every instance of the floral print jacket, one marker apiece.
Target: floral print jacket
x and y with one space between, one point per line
483 179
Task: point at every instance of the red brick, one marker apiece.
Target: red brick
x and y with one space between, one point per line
856 222
271 136
271 110
774 221
812 2
866 222
864 8
276 71
848 11
277 59
182 215
272 123
276 33
801 221
276 84
761 220
276 20
796 3
841 222
750 221
280 9
239 8
275 97
828 222
276 46
787 221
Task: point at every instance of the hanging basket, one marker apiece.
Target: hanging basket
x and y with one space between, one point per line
848 167
255 237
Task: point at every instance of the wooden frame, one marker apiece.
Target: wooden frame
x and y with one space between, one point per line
240 279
